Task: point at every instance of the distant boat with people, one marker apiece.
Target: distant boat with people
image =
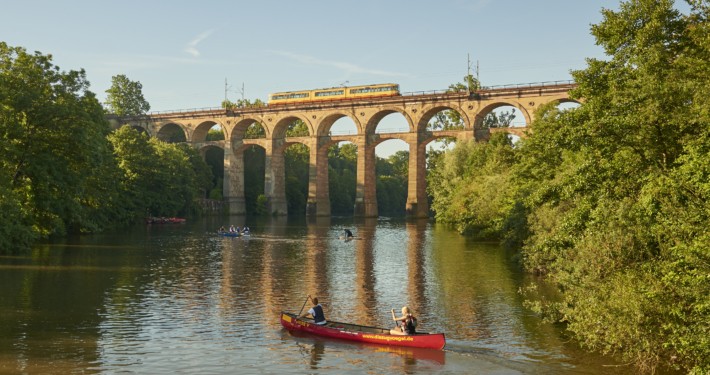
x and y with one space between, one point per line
234 231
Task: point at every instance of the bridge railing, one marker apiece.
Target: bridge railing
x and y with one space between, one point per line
528 85
496 87
189 110
409 93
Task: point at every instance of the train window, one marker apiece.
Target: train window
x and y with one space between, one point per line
297 95
329 93
364 90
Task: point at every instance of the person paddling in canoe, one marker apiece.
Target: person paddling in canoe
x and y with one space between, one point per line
316 312
406 324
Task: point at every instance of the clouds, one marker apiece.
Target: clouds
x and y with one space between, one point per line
191 47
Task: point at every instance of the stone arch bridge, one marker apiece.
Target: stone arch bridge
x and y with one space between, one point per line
417 108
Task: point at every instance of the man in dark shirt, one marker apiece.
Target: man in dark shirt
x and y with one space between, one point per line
316 312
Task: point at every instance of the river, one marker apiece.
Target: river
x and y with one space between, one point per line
176 298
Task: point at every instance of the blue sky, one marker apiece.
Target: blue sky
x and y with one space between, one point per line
182 51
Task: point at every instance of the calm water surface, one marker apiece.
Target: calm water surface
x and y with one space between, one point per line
167 299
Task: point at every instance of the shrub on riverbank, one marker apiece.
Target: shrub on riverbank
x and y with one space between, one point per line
610 200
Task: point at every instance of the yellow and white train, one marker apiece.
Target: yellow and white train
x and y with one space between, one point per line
334 93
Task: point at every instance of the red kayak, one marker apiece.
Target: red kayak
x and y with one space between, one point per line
354 332
164 220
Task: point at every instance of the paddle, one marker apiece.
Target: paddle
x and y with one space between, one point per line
395 319
306 301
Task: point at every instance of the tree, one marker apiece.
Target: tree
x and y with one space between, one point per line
469 186
254 169
392 182
450 119
158 178
342 175
471 84
297 168
55 162
125 97
502 120
616 214
242 103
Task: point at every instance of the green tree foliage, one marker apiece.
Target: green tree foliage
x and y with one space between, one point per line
203 179
452 120
296 160
242 103
499 120
158 178
616 213
469 186
392 181
254 162
342 176
125 97
255 131
214 135
54 150
297 129
214 158
471 84
610 200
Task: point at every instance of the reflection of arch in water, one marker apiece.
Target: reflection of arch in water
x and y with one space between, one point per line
271 278
416 272
365 281
235 266
315 274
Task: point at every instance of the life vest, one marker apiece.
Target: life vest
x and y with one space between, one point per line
318 315
409 325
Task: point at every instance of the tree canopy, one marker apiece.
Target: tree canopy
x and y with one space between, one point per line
125 97
610 200
63 171
52 132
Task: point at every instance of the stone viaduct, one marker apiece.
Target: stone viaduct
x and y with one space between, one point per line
417 108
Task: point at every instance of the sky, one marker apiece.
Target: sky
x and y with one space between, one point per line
183 52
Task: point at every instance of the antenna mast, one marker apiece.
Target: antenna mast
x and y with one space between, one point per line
469 77
472 86
477 77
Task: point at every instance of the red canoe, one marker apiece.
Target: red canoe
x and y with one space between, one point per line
164 220
354 332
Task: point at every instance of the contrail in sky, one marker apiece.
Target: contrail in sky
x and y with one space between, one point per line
344 66
192 46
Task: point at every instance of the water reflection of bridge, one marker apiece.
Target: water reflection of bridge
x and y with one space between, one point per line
418 109
347 276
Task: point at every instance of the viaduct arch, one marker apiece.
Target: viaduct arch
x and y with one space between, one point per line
319 117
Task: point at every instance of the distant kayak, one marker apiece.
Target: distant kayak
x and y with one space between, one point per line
229 234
